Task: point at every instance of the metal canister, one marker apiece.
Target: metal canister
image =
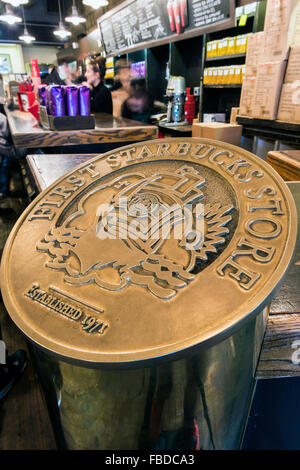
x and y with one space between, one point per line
142 281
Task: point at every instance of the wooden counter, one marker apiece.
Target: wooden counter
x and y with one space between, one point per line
27 133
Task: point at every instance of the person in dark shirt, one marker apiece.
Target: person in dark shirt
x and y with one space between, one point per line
53 78
139 104
101 100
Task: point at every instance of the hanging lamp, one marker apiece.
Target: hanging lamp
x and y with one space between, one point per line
75 19
62 31
26 37
16 3
9 16
95 3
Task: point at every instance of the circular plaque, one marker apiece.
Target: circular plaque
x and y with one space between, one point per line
149 251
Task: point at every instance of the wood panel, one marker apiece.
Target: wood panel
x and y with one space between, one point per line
286 163
280 354
27 133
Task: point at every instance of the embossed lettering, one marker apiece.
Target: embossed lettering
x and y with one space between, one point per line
213 158
249 175
259 193
90 169
145 152
42 214
89 324
183 148
128 154
114 161
259 253
275 208
163 149
275 225
199 148
234 166
244 277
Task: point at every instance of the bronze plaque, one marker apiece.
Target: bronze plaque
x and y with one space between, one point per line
149 251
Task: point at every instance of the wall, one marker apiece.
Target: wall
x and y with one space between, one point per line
43 54
16 56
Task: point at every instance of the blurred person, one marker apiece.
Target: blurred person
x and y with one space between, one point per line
138 105
101 100
8 153
53 78
121 89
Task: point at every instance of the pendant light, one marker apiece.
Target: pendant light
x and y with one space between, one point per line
26 37
75 19
62 32
9 17
16 3
95 3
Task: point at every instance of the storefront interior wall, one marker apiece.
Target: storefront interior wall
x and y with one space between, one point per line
16 56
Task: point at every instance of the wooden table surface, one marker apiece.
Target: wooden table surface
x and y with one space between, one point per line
45 168
279 348
26 132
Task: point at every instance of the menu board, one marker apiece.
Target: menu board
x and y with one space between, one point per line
137 24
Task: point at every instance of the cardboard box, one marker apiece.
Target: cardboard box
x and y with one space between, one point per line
289 105
282 29
267 89
234 113
247 96
293 67
230 133
254 53
278 14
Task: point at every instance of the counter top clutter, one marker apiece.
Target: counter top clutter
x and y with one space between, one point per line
25 131
65 107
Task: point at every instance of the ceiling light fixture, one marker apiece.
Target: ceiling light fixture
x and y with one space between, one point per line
95 3
62 32
75 18
26 37
16 3
9 17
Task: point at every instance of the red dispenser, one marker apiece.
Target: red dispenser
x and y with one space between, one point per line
189 106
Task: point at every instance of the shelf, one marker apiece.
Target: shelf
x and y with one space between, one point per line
225 57
232 85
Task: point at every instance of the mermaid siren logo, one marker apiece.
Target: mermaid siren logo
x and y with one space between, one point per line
153 233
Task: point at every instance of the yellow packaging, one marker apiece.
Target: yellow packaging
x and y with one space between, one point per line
214 48
237 74
215 76
205 77
225 46
231 45
231 74
220 44
244 39
241 44
209 49
210 75
226 74
220 75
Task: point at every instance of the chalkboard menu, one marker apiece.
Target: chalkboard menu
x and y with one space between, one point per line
138 24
